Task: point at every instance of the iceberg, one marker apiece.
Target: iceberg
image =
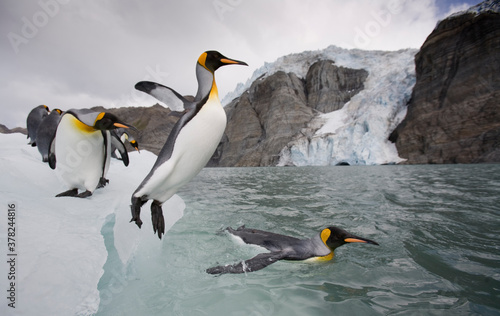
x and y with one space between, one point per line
59 247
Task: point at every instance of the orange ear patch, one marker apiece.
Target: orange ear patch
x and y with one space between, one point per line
202 59
99 117
325 234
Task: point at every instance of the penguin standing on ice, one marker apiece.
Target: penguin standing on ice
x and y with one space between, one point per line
82 149
316 249
35 117
46 132
191 143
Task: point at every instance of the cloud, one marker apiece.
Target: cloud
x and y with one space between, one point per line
83 54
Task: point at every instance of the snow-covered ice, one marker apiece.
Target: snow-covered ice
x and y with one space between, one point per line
59 245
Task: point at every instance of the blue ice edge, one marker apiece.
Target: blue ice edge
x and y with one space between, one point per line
114 279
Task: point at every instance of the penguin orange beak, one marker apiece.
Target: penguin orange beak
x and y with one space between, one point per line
228 61
363 240
120 125
124 125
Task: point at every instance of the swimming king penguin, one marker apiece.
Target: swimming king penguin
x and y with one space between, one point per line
46 132
33 120
82 148
281 247
191 142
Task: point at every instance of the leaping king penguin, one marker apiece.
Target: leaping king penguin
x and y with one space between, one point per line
281 247
82 148
191 143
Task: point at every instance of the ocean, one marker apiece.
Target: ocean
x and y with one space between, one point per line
437 226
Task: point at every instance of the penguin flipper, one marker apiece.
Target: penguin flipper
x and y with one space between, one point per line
117 143
271 241
169 96
258 262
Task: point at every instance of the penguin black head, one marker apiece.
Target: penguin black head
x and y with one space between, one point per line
213 60
132 141
135 145
107 121
335 237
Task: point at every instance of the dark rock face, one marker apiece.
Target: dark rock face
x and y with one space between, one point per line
330 87
454 113
264 119
5 130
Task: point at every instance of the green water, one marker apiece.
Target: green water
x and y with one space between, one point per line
437 226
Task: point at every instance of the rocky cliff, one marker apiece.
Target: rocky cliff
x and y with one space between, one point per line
5 130
454 112
264 119
328 107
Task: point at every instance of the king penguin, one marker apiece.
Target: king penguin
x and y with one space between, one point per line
46 132
82 149
316 249
35 117
122 134
190 144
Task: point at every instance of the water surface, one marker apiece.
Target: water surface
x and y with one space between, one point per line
437 226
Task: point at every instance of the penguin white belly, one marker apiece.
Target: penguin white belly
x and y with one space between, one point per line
194 146
79 153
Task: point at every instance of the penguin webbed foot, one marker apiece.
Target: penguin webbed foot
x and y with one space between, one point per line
236 268
102 182
135 208
258 262
71 192
157 218
84 194
74 193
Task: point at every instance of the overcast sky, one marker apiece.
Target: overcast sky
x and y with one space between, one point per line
73 54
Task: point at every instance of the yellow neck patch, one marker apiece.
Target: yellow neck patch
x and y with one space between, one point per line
214 93
328 257
82 126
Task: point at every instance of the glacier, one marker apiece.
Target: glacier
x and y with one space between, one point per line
59 241
358 133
